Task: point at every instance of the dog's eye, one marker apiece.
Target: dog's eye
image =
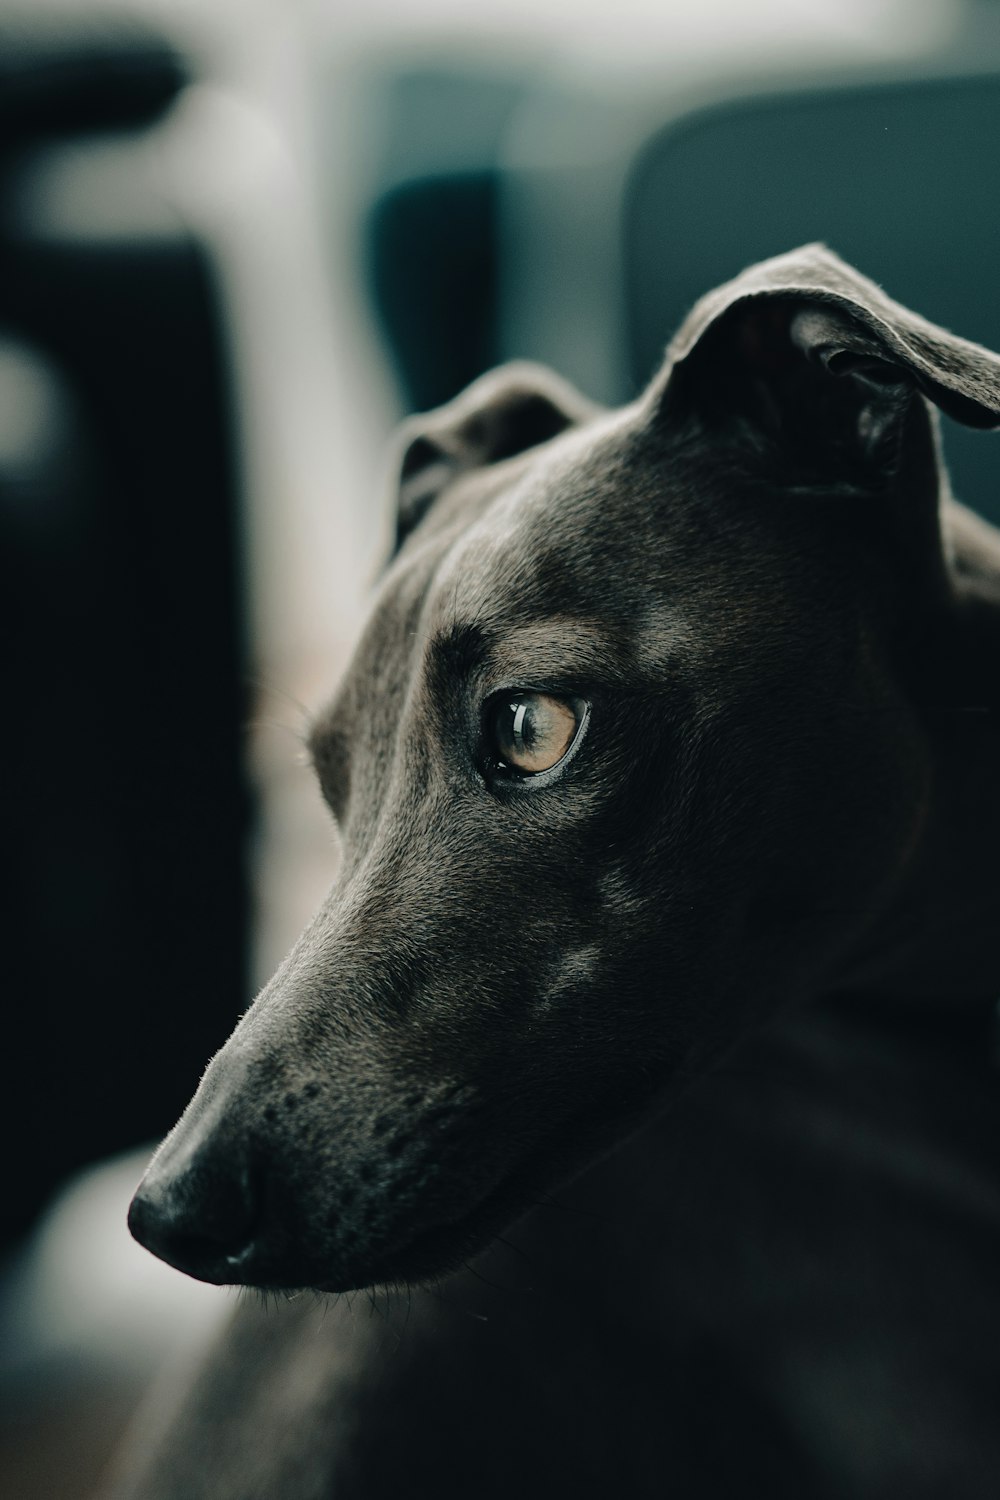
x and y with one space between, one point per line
532 732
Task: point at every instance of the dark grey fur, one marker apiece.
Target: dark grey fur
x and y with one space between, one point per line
788 636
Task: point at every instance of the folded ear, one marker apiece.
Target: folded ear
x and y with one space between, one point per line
807 354
506 412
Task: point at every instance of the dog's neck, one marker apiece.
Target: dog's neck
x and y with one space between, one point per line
940 938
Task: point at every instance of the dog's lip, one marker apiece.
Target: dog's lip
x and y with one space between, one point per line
429 1255
446 1247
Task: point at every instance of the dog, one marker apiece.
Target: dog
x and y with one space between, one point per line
670 727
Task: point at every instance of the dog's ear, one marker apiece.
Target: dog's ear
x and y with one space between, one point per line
814 362
500 415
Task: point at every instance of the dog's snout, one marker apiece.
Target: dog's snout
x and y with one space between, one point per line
200 1218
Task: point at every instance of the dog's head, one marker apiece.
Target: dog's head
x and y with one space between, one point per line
631 749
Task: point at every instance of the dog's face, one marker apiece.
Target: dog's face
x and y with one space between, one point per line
627 753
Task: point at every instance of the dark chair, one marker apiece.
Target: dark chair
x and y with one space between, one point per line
124 883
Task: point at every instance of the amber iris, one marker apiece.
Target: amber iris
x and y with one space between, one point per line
531 732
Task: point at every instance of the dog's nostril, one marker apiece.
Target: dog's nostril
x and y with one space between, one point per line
197 1251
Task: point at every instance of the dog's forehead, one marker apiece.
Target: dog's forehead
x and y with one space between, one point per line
623 531
548 540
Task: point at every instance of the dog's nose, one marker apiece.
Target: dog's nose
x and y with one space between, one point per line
199 1219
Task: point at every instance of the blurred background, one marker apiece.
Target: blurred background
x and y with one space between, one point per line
239 239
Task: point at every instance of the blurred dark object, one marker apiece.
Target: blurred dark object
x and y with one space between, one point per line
896 177
434 275
126 807
60 74
432 238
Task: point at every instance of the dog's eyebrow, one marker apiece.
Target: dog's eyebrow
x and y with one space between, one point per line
539 649
562 647
460 647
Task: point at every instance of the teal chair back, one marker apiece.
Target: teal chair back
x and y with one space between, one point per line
899 178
